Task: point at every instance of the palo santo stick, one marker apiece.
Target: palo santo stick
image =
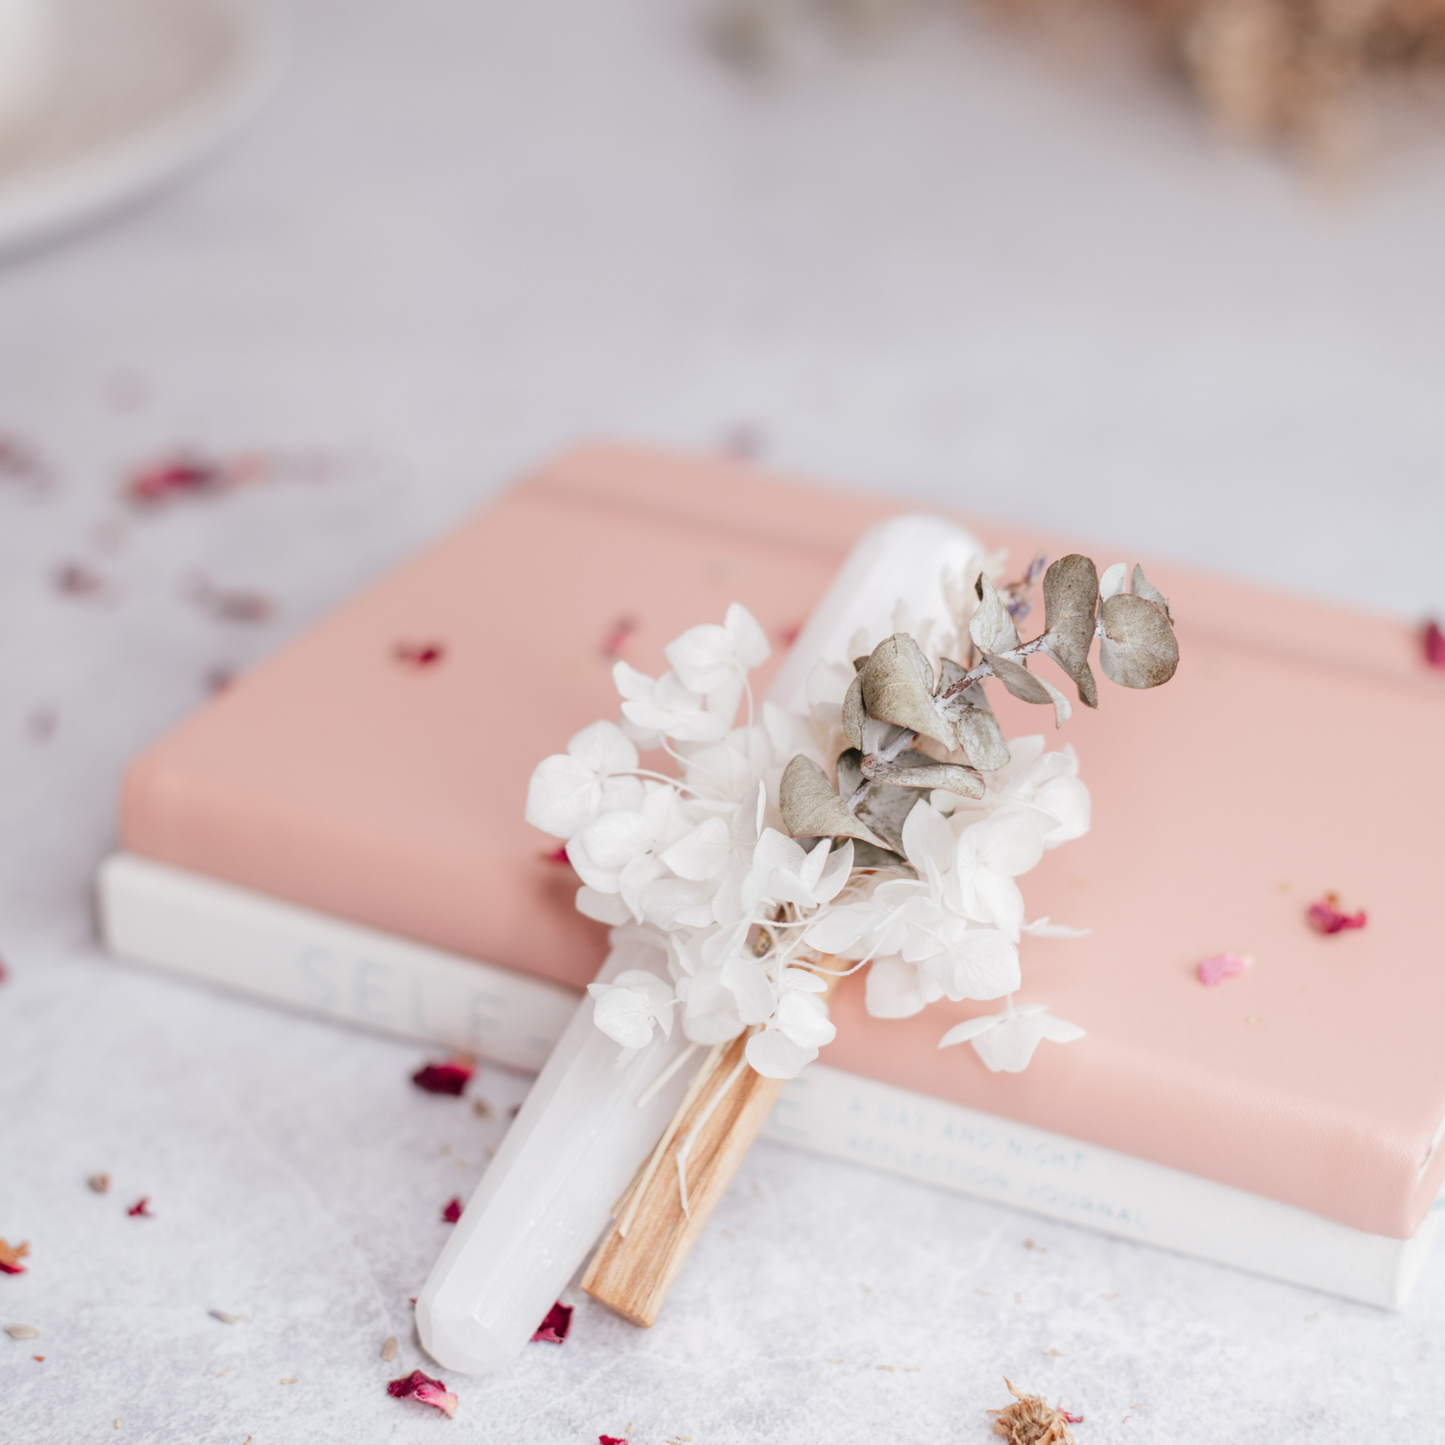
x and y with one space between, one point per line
658 1223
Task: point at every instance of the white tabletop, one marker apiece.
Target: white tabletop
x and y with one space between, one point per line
955 262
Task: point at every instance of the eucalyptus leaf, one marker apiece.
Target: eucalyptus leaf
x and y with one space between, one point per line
854 715
976 728
904 772
1071 598
898 689
1028 687
811 809
991 627
1138 648
865 855
884 807
1141 586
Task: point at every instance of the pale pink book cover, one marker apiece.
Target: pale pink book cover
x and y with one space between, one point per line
351 774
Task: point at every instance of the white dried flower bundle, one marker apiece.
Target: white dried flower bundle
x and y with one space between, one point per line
888 828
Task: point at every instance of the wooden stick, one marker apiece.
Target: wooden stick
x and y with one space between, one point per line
657 1225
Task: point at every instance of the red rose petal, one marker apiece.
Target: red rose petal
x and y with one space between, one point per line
553 1330
1434 644
617 636
142 1207
1326 917
425 1390
419 654
611 1440
450 1077
1071 1419
175 476
453 1211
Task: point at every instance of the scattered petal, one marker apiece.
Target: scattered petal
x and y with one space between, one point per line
22 465
1433 642
227 604
425 1390
1326 916
453 1211
1030 1420
389 1349
22 1332
10 1256
141 1208
449 1077
617 635
226 1318
553 1330
76 579
418 655
175 476
100 1183
611 1440
1213 971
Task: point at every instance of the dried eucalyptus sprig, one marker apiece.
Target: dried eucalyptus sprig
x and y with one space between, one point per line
894 698
887 829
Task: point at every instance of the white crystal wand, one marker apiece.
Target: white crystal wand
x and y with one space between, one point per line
595 1113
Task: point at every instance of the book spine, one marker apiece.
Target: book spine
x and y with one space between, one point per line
156 914
252 944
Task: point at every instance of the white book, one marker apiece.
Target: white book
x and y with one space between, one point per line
246 941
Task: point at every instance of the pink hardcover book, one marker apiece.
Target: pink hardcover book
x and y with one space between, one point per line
371 772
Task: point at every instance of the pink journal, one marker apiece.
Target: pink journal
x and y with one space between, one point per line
375 770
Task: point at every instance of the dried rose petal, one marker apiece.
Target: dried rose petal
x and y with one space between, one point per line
21 463
227 605
22 1332
1214 971
10 1257
420 1387
617 636
611 1440
419 654
99 1182
553 1330
1326 917
1068 1418
175 476
449 1077
141 1208
453 1211
76 579
1433 643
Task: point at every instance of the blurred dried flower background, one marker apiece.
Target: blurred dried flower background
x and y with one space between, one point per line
1294 70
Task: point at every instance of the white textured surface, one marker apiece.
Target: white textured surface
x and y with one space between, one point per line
465 234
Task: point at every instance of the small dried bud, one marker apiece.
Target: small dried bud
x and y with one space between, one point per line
1030 1420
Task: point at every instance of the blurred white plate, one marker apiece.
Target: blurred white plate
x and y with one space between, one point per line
137 91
